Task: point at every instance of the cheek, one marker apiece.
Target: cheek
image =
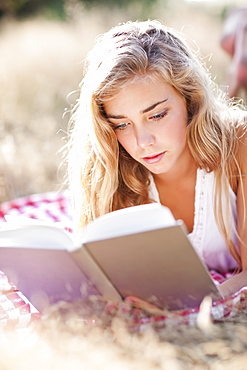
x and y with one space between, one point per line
180 136
124 141
120 142
176 135
181 128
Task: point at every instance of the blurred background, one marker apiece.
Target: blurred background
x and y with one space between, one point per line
42 47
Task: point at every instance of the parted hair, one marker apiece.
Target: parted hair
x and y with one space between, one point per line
103 177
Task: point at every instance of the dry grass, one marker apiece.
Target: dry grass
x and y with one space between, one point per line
81 336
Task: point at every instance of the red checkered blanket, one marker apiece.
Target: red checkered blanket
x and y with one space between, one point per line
17 311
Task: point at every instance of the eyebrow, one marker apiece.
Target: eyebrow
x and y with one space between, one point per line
154 106
148 109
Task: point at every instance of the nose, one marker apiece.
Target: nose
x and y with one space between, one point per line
144 137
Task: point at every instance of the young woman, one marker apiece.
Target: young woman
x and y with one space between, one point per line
151 126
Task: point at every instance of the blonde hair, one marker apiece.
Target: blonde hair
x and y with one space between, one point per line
102 175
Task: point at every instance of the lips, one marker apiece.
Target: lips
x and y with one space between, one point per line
154 158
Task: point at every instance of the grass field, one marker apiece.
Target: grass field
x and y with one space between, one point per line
81 336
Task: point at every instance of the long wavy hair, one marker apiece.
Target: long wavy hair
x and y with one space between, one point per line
103 177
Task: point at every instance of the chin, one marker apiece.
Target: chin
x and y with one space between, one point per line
157 171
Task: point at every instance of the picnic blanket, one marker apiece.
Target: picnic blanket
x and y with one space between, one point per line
17 311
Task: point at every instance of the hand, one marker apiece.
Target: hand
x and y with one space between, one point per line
233 284
144 305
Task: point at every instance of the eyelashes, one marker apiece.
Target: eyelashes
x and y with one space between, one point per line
155 117
120 127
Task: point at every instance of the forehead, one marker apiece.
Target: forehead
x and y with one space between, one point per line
139 93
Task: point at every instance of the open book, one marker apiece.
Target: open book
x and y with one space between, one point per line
141 251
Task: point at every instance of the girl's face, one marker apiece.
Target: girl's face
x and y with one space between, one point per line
150 120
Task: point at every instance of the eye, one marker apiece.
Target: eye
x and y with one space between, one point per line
157 117
121 126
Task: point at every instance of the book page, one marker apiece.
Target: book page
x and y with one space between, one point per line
127 221
35 236
30 233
